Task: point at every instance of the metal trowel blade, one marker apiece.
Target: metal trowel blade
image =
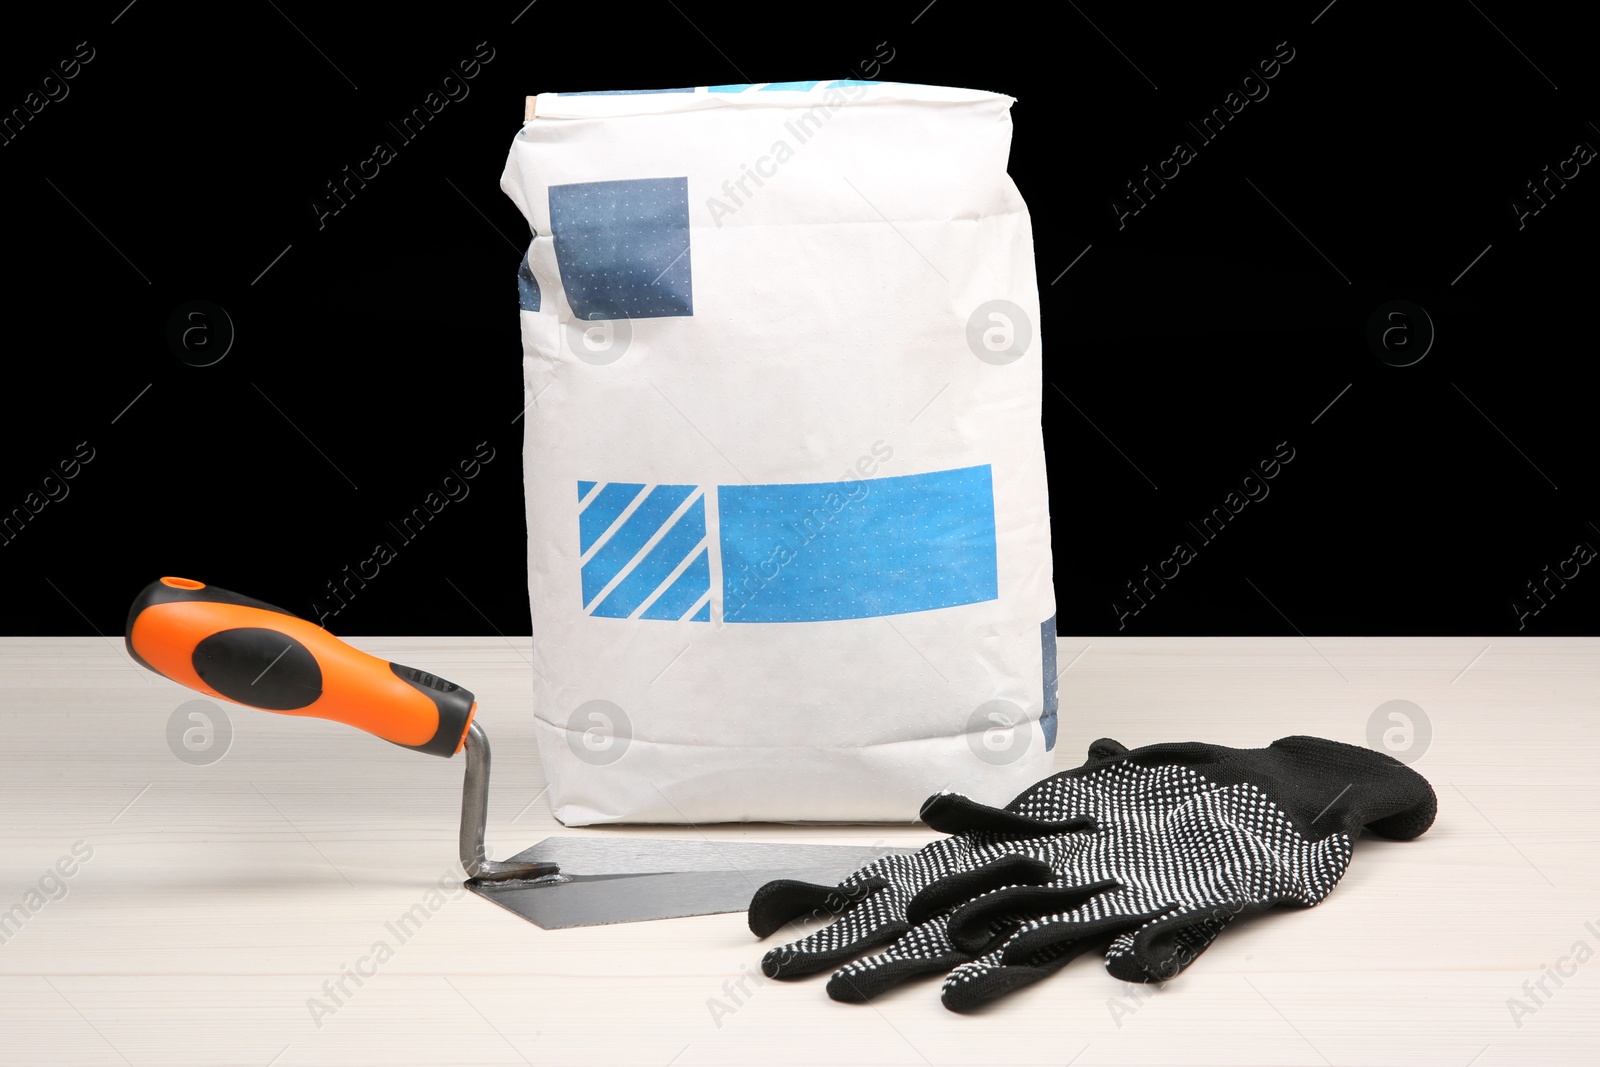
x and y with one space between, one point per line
617 880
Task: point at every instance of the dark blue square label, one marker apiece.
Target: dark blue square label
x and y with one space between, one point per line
623 247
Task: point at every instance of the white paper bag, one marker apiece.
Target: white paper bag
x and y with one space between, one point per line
788 523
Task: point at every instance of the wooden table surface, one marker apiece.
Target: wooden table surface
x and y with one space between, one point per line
207 905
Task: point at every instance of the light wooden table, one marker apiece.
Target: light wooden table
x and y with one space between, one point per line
215 901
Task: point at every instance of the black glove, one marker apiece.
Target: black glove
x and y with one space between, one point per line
1188 837
888 897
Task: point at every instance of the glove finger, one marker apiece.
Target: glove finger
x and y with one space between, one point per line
780 901
925 949
783 900
1160 949
959 888
972 926
952 813
928 947
875 921
1047 947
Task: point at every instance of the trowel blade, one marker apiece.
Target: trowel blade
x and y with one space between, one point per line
618 880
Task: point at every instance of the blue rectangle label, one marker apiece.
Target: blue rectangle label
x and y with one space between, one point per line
818 551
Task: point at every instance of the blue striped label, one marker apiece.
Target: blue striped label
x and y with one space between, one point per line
795 552
643 549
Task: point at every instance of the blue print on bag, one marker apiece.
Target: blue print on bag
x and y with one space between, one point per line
603 510
623 247
643 550
691 587
820 551
1048 720
796 552
683 540
527 286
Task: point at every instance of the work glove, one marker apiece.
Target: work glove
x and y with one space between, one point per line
896 895
1187 837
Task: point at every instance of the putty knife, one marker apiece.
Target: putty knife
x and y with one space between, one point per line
249 652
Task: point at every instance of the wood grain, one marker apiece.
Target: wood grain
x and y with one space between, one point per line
217 900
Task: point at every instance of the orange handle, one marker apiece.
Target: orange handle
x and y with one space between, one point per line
249 652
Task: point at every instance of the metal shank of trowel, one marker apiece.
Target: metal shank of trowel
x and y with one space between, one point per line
475 813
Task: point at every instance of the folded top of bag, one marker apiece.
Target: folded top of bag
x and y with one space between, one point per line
793 94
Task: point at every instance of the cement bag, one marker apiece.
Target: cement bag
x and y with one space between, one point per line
788 526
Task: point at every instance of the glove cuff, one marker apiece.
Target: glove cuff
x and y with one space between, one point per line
1365 788
1323 786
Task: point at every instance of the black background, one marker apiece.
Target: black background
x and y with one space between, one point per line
1225 317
